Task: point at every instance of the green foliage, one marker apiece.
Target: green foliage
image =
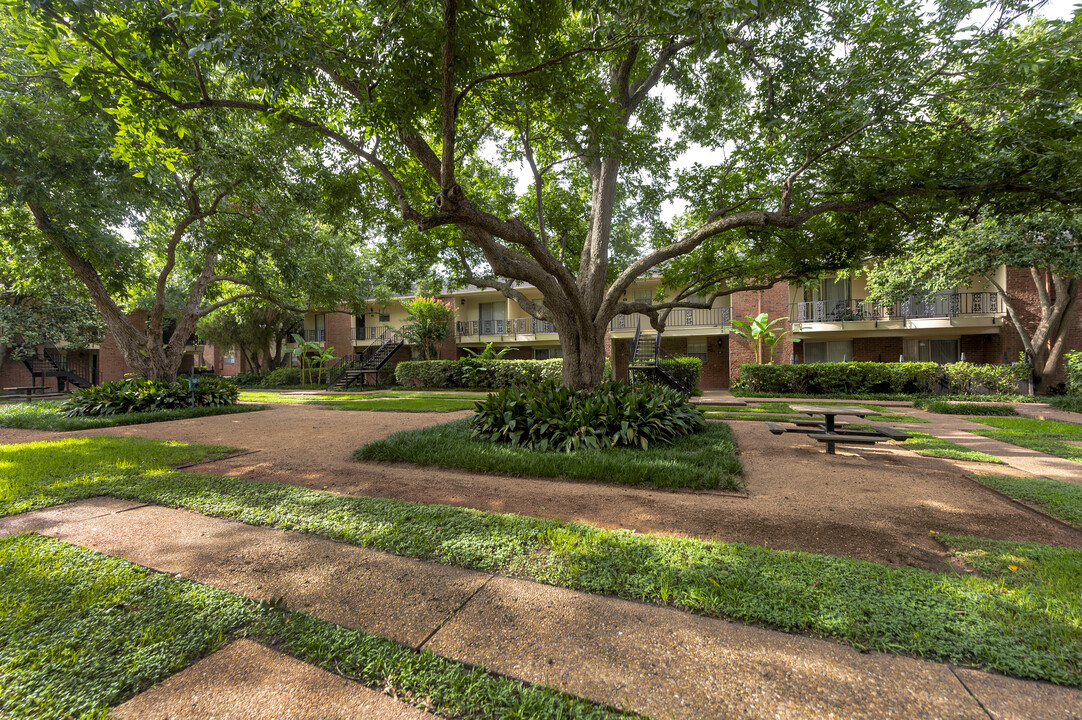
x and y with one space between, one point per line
490 352
282 377
1073 367
548 416
962 408
932 446
137 395
477 373
874 377
1055 497
705 460
429 322
40 415
1067 403
312 357
1052 437
686 370
761 330
245 379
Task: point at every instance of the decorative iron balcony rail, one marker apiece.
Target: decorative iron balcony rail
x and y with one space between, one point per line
937 305
680 317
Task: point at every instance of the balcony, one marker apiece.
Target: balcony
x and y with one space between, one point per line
314 335
516 326
680 318
939 305
365 334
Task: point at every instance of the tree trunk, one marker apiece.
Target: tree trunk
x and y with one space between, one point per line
583 358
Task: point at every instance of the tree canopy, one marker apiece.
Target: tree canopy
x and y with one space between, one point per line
836 126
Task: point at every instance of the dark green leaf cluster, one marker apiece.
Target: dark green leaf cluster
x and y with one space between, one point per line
1073 364
963 408
478 373
873 377
554 417
136 395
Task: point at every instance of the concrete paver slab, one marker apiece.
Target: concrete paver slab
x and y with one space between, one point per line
246 681
1011 699
41 520
380 593
668 663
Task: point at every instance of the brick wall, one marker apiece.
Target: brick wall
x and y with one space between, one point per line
339 327
111 364
774 301
875 349
14 374
1020 287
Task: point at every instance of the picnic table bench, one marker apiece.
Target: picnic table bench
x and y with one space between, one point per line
28 389
829 431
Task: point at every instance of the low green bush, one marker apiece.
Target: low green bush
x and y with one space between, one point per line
687 370
550 416
483 374
1067 403
949 408
138 395
875 377
1072 361
245 379
282 376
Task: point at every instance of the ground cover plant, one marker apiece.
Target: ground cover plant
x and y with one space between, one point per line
1055 497
140 395
1067 403
877 377
47 415
706 460
898 397
783 412
1047 436
82 632
931 446
550 416
966 408
387 402
1025 621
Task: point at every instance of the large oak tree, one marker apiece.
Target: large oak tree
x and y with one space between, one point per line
837 124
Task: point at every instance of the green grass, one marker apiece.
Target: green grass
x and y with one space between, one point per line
924 444
1045 436
893 396
1055 497
39 474
45 415
704 460
1067 403
384 402
1026 624
966 408
81 633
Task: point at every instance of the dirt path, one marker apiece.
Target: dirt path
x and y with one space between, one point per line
877 504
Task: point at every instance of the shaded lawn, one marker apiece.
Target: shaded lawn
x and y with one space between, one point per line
1055 497
45 415
704 460
83 632
783 412
1046 436
1025 621
413 402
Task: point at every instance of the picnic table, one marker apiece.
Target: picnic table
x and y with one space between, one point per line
830 432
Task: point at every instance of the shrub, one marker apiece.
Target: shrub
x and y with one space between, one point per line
140 395
948 408
245 379
688 370
482 374
1073 363
874 377
550 416
282 376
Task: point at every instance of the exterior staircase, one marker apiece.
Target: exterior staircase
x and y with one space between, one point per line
645 358
67 371
351 370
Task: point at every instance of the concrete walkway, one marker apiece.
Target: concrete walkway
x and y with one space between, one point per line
654 660
959 430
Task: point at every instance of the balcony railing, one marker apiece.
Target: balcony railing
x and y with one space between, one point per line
938 305
375 332
680 317
515 326
314 335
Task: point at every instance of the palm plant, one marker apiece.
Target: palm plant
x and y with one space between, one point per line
760 330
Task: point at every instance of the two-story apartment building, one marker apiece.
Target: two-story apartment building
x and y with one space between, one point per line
831 320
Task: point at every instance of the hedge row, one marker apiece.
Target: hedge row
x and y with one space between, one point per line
873 377
1073 362
485 374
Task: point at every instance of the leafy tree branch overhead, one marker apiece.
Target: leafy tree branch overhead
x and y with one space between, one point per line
842 123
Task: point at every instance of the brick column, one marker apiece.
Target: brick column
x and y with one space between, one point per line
774 301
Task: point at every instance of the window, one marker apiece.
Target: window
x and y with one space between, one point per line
384 315
837 351
547 353
937 351
644 296
830 289
229 358
697 349
493 318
